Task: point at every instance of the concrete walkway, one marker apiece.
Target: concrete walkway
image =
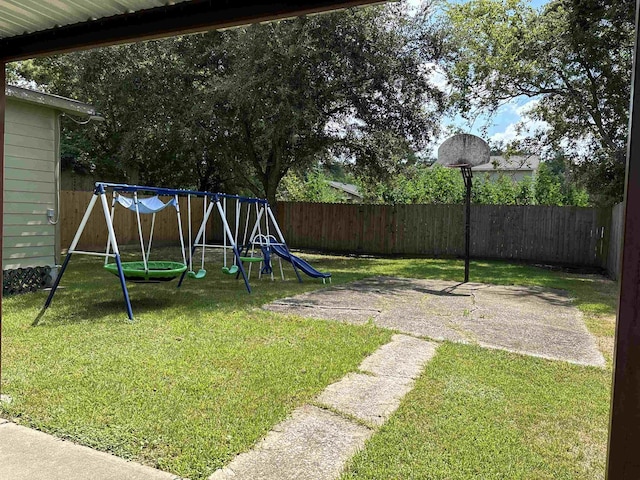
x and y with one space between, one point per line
27 454
317 440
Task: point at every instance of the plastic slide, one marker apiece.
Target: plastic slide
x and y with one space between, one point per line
299 263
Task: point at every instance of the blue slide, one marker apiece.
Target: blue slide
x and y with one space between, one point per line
298 262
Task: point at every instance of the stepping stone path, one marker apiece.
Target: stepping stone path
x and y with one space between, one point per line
315 443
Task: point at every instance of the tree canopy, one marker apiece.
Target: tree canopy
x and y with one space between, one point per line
313 187
573 56
238 109
423 184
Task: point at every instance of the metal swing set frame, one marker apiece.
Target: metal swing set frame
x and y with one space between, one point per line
216 200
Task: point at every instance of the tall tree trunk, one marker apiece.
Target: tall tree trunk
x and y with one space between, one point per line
273 172
270 189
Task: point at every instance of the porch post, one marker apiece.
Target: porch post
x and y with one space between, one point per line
623 461
3 105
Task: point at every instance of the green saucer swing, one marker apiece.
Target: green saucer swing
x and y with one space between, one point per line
158 271
251 259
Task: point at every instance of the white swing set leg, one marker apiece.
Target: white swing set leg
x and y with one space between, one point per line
184 256
112 243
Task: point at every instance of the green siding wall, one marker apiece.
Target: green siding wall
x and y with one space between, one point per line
30 149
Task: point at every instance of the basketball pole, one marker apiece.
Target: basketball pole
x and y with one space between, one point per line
465 151
467 175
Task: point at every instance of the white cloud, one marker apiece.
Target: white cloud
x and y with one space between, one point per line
519 130
523 127
524 109
526 127
509 107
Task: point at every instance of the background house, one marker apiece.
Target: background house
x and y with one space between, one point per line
516 167
348 191
32 185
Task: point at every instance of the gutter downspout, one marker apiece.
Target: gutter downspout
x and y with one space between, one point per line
3 108
54 219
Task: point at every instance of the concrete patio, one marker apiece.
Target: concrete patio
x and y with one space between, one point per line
528 320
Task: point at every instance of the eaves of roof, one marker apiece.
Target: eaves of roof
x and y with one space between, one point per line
62 104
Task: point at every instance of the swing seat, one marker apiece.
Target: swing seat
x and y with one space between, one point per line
251 259
157 271
230 271
197 275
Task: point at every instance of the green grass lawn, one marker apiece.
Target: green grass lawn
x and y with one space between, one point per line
200 375
203 373
483 414
492 415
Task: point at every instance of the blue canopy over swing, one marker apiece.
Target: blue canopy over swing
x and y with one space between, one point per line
146 205
147 271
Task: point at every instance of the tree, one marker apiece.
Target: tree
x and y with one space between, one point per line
553 185
548 188
415 184
574 57
157 120
502 191
312 187
13 78
432 185
240 108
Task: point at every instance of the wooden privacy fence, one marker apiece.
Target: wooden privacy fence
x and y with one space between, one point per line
566 235
562 235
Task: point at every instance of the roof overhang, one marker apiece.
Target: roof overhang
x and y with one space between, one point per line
137 21
56 102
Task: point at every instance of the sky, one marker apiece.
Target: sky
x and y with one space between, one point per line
502 127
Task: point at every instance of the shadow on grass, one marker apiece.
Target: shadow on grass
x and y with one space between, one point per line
93 295
96 297
390 287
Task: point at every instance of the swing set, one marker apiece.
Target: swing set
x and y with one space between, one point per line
256 247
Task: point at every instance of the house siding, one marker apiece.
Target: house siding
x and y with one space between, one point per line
515 176
30 151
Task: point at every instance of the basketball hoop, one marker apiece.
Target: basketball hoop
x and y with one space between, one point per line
465 151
